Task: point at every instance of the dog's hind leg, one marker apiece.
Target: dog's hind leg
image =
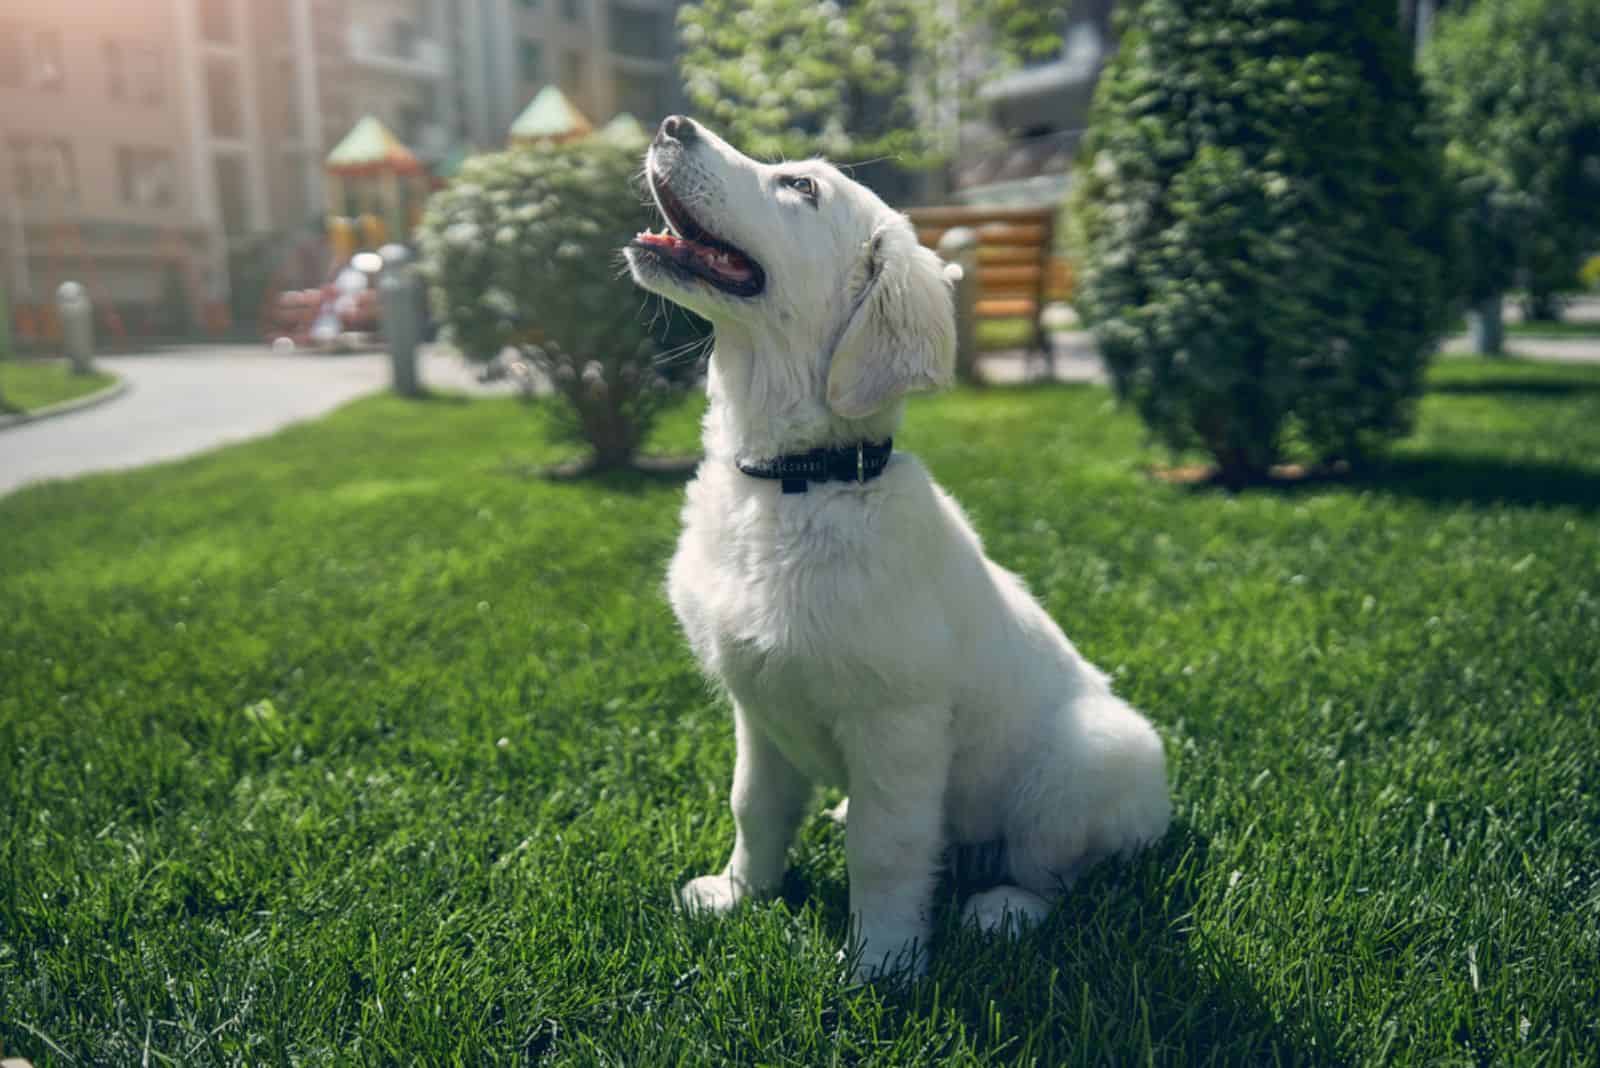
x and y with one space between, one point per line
1099 790
769 796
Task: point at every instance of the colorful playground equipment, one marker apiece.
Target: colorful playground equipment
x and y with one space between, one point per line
549 118
376 188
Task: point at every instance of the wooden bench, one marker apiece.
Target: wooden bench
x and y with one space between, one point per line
1017 273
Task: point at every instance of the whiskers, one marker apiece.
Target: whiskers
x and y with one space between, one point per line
689 352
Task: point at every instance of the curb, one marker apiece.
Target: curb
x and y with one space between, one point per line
67 407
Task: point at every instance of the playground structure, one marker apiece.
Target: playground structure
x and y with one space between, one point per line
319 291
550 118
375 188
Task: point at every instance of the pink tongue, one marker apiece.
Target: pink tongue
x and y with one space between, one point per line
725 264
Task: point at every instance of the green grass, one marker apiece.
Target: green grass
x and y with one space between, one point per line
27 385
1578 329
357 745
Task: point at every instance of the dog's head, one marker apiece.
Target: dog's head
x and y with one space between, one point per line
801 256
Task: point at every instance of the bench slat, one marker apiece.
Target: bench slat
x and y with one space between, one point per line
1022 274
1006 256
1006 309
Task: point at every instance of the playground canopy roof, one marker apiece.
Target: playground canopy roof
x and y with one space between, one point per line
550 116
624 129
371 149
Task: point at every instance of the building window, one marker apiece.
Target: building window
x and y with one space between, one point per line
222 96
403 35
532 61
13 59
644 96
43 168
116 71
133 72
409 120
572 10
48 72
148 177
573 70
216 21
288 99
229 174
146 74
635 32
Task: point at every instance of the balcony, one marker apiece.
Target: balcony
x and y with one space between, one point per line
395 50
1024 166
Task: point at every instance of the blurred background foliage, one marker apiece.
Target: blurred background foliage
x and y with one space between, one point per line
1516 84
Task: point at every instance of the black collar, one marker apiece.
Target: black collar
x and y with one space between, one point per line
861 462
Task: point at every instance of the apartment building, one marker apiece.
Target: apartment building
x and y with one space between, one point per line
608 57
169 152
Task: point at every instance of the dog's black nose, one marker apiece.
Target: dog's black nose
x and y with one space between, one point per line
679 128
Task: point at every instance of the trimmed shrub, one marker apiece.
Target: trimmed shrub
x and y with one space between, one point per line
1263 228
523 250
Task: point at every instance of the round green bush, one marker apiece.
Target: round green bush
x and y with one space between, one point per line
523 250
1263 228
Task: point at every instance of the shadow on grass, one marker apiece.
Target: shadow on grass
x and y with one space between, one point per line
1518 387
1113 975
441 399
1440 478
1486 481
644 474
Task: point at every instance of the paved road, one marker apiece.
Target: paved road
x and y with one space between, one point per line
1557 349
189 401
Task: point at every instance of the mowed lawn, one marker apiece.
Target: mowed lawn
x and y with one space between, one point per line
26 385
361 745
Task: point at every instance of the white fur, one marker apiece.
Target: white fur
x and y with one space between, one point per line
862 635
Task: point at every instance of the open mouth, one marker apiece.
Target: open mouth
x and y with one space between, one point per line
689 248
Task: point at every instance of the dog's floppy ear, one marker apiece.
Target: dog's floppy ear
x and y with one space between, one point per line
902 334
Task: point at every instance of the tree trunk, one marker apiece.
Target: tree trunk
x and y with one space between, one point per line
1488 327
1542 308
1236 469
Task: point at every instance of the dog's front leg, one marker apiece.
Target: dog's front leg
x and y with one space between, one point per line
898 764
769 797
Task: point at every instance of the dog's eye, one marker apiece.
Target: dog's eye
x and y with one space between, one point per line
800 184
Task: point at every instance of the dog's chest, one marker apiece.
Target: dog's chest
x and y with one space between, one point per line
777 606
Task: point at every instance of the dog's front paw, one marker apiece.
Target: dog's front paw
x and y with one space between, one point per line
711 895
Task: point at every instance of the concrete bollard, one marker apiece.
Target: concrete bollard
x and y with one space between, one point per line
1488 327
77 326
400 305
959 250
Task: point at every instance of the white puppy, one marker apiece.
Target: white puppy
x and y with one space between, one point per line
863 636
